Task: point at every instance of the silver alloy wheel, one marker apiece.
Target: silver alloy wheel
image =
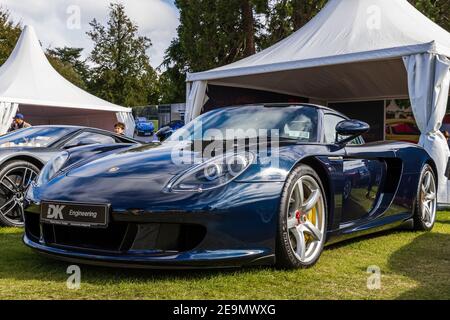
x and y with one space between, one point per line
428 199
14 185
306 219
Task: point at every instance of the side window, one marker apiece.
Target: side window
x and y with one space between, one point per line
87 138
330 122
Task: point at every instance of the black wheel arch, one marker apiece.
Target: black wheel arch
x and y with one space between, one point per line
433 166
321 170
35 161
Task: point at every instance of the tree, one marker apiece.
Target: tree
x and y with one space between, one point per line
305 10
71 57
212 33
122 73
67 71
436 10
250 25
287 16
172 84
9 34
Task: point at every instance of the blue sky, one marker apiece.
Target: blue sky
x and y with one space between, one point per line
65 22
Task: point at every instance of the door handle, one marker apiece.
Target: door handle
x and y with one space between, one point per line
335 158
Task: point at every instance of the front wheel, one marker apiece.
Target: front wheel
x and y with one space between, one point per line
426 202
15 177
302 220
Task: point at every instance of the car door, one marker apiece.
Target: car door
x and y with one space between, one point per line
362 173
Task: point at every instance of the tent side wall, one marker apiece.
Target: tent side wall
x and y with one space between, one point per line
42 115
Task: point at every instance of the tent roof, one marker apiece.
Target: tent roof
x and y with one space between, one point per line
345 31
28 78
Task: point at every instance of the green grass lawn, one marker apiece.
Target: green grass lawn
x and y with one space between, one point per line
414 265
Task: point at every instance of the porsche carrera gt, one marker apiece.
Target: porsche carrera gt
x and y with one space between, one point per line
238 186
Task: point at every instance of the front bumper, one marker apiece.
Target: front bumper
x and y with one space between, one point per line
187 260
220 234
145 132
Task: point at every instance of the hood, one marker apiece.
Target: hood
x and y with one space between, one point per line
137 163
148 161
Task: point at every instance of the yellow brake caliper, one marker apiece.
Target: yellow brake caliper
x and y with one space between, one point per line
311 216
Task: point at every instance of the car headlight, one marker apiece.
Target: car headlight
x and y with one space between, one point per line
213 173
52 168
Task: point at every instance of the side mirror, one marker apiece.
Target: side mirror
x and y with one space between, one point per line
348 130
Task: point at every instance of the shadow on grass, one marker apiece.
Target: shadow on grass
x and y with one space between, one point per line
363 238
427 261
21 263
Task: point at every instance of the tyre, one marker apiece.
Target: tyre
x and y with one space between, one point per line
302 221
15 177
426 201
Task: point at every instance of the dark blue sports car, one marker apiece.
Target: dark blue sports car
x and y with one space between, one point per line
248 185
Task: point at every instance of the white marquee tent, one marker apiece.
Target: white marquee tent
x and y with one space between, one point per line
28 82
353 50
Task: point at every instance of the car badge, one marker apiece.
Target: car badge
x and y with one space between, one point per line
113 170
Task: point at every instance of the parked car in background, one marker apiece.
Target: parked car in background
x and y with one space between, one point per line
167 130
144 127
245 205
23 153
402 130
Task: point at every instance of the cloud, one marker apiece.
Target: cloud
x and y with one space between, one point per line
56 21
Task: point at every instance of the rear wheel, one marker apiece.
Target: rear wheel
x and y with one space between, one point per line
15 178
302 220
426 202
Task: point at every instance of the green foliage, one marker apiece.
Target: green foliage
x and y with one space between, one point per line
436 10
122 73
212 33
71 57
9 34
287 16
67 71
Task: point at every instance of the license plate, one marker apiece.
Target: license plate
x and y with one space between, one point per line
74 214
148 134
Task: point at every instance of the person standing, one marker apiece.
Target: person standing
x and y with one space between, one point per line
19 123
119 128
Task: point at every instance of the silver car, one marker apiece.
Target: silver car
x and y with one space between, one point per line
23 153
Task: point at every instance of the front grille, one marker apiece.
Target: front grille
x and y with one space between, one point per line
118 237
32 226
172 237
109 239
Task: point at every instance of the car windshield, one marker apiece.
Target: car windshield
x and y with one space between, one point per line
33 137
297 123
